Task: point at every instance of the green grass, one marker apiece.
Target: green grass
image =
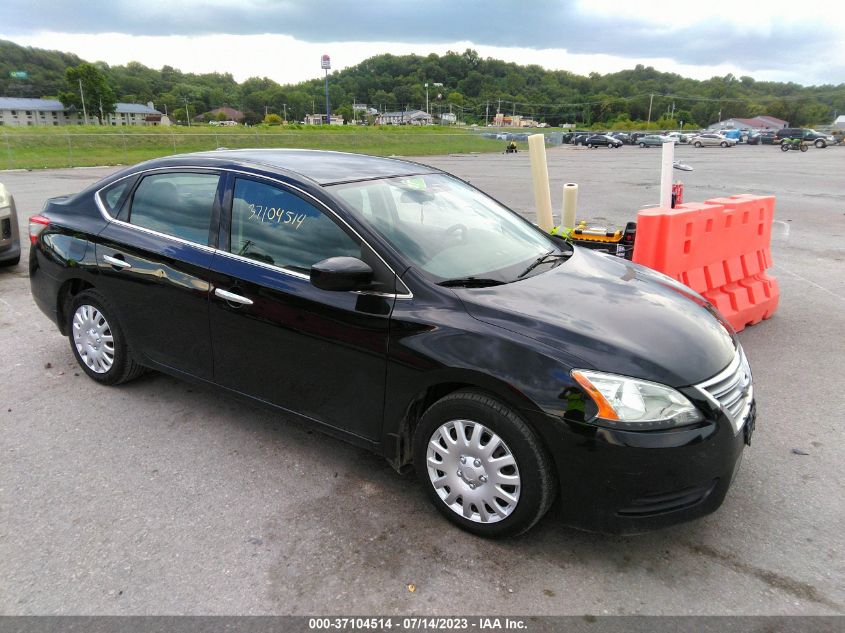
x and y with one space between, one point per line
78 146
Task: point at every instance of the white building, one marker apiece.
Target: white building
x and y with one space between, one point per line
405 117
132 114
21 112
320 119
839 123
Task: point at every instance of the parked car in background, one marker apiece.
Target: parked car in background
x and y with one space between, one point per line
622 136
10 244
766 137
401 309
712 140
655 140
602 140
679 136
808 135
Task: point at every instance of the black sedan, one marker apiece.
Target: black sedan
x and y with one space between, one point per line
602 140
399 308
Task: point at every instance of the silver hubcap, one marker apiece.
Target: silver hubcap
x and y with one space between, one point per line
473 471
93 339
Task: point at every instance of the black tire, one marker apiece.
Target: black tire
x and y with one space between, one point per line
537 481
803 147
784 147
820 143
698 144
124 367
642 144
10 262
723 144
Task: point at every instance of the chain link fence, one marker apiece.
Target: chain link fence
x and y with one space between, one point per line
55 149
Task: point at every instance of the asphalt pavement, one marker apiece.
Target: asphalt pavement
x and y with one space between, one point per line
161 497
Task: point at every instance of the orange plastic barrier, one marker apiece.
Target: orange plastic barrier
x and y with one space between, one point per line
719 248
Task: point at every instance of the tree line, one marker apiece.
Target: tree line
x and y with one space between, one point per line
473 88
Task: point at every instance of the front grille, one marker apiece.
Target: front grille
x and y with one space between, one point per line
732 390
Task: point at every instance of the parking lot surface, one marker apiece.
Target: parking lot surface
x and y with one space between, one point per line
161 497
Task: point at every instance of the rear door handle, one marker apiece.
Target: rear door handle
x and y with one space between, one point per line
117 262
232 297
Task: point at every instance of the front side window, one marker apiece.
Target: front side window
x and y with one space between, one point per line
277 227
177 204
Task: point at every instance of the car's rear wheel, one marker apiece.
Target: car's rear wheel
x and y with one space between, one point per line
820 143
484 469
98 342
723 144
642 144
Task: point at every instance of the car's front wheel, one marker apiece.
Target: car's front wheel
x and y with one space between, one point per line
642 144
483 467
697 144
820 143
97 340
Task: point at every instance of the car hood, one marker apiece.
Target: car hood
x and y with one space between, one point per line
616 316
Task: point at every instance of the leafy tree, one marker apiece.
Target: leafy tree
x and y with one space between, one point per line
99 97
272 119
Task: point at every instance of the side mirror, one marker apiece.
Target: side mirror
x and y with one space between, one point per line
341 274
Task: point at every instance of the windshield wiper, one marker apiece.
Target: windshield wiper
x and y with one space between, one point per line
546 257
471 282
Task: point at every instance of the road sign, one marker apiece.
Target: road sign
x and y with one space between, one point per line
18 74
325 62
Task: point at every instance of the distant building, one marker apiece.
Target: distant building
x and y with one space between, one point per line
839 123
20 112
133 114
320 119
448 118
762 122
405 117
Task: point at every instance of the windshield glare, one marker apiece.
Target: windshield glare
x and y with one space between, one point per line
446 228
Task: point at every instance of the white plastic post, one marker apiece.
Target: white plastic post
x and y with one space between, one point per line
570 203
666 175
540 177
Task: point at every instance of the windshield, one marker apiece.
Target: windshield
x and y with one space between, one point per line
448 229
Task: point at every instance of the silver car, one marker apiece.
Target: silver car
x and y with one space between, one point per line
712 140
10 244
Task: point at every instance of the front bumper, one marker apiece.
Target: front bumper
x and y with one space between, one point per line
628 482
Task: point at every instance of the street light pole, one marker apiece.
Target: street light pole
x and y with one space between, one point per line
325 64
82 96
426 98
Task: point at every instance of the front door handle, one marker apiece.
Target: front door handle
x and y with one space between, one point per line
232 297
117 262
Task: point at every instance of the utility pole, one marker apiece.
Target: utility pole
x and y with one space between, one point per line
487 113
499 107
187 111
101 112
265 112
285 106
426 98
82 96
650 101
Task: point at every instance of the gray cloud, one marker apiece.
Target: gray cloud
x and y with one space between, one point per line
548 25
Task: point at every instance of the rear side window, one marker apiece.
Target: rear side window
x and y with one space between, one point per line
277 227
177 204
114 195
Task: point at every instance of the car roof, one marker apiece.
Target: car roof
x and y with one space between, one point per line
320 166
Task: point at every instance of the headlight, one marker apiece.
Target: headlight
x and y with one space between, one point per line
636 405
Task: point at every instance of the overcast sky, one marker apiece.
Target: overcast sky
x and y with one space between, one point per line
283 39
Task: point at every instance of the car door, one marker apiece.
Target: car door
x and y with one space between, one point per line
278 338
154 264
